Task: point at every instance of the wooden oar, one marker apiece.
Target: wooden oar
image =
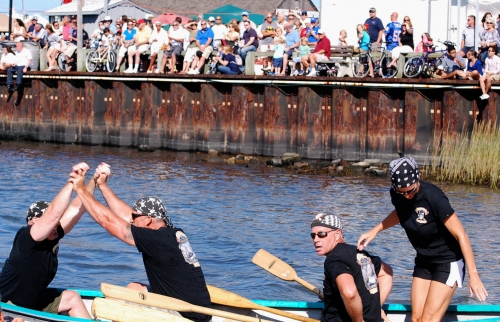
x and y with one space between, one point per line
223 297
119 311
279 268
166 302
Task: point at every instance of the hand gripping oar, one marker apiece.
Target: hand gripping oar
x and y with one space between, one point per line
119 311
166 302
223 297
279 268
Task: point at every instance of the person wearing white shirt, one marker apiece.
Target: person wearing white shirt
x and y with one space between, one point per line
244 18
219 30
491 72
24 60
8 58
158 40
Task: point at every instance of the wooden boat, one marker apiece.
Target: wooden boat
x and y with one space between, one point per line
396 312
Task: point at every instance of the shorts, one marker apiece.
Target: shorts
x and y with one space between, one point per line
49 301
155 47
495 77
278 62
206 53
56 46
190 53
174 50
446 273
297 59
466 49
289 52
70 50
321 58
122 51
142 48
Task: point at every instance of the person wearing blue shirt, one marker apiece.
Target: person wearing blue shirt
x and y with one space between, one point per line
392 32
374 27
204 40
312 31
474 66
127 40
292 42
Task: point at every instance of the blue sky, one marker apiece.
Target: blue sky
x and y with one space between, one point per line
38 6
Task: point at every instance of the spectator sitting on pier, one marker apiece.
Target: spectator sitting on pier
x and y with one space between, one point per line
374 27
105 40
227 62
343 38
72 46
312 32
9 59
280 22
31 28
39 35
21 66
303 50
292 43
108 24
233 36
426 45
220 31
474 67
405 45
469 36
158 41
250 41
18 31
304 19
488 38
268 31
141 45
392 32
452 66
127 41
192 28
54 43
491 72
204 40
321 53
241 26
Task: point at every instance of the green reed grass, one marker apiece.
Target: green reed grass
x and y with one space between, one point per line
469 157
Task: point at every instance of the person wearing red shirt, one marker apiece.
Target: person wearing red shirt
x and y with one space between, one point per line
321 53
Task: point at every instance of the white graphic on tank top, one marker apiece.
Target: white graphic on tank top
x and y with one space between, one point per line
421 213
368 272
187 251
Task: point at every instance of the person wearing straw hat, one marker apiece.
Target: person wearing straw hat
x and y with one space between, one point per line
355 284
436 233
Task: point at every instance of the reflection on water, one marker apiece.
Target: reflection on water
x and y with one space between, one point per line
228 213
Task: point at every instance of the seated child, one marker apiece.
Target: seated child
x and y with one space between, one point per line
303 50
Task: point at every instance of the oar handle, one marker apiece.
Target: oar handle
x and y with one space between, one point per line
286 314
307 285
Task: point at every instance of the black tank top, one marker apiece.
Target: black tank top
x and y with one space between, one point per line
407 40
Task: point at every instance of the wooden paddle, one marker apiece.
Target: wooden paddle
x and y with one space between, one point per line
223 297
166 302
279 268
119 311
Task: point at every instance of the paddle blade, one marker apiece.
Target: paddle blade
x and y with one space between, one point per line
274 265
119 311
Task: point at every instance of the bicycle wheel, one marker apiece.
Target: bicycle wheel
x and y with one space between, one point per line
92 61
61 61
413 67
111 63
360 68
388 72
434 67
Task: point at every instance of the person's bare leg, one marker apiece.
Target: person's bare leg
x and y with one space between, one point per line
313 61
138 286
305 62
131 59
437 302
194 64
370 67
152 62
72 303
482 81
163 64
418 297
137 60
285 62
488 83
201 63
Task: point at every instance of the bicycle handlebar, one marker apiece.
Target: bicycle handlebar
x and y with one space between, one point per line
447 43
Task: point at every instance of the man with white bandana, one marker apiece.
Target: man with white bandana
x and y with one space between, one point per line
33 261
347 295
435 231
171 265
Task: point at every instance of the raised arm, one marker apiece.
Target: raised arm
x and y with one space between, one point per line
455 227
50 219
389 221
75 210
115 225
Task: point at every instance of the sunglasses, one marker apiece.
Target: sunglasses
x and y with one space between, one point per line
178 24
218 19
371 11
135 216
321 234
409 192
489 23
407 19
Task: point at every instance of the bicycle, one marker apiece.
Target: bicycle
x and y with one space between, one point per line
361 67
425 65
106 58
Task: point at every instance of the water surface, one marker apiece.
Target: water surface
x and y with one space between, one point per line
229 212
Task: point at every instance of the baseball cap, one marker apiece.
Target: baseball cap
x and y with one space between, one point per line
326 220
141 21
313 20
373 9
244 13
153 207
211 19
321 31
304 12
34 18
107 18
37 209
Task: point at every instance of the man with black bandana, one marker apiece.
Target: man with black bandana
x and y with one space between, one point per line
171 265
355 284
436 233
32 263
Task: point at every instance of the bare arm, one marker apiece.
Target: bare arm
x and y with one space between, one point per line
75 210
350 296
100 213
380 33
50 219
455 227
389 221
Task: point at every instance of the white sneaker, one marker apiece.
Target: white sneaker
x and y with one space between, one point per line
149 71
312 73
129 70
295 73
190 71
484 96
135 70
195 72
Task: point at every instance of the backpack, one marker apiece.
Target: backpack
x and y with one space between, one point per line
238 60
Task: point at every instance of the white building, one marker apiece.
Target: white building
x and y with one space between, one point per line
443 19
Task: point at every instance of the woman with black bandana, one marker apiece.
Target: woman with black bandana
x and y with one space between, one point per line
436 233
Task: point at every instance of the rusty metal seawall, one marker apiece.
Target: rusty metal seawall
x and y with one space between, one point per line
318 118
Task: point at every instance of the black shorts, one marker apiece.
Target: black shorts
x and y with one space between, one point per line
446 273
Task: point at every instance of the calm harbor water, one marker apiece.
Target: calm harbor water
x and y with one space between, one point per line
229 213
